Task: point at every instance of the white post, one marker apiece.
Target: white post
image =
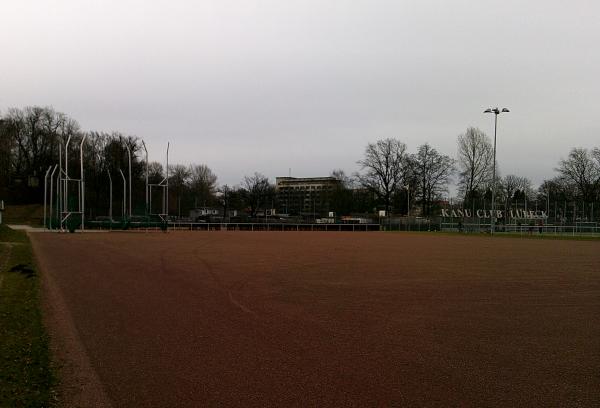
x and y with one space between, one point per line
129 155
46 193
167 199
123 212
51 194
66 186
58 182
81 183
110 196
146 150
407 207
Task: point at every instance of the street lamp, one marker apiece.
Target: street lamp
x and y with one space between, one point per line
496 112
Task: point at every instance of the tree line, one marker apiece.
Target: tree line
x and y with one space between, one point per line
389 176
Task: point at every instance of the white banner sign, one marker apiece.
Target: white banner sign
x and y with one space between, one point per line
465 213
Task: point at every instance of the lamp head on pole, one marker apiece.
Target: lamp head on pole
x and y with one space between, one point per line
496 111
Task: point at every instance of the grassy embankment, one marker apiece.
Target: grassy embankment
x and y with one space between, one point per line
27 378
31 214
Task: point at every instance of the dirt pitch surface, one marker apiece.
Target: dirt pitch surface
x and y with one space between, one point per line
192 319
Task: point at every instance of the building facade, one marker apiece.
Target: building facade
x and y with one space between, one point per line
309 196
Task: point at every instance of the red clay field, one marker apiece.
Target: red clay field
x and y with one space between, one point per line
191 319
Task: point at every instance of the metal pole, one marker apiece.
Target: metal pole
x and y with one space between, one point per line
51 194
167 199
45 193
407 207
494 176
66 187
146 150
129 155
124 208
408 200
58 198
110 196
82 184
496 111
58 183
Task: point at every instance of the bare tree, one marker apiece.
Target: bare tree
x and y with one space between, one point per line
384 164
475 159
258 191
230 198
345 180
582 168
6 148
433 171
202 183
35 133
178 178
341 198
512 185
155 172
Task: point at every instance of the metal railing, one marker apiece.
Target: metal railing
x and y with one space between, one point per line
524 229
241 226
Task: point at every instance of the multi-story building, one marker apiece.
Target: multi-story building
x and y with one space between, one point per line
309 196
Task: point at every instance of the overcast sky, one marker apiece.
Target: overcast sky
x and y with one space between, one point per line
248 86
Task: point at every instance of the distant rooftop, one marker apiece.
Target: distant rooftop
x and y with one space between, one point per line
306 179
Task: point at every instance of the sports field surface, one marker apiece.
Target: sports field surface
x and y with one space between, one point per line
190 319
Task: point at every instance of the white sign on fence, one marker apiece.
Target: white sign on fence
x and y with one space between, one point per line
466 213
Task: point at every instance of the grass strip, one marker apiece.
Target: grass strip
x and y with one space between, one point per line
27 377
10 235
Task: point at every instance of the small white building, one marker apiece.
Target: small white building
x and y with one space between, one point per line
204 212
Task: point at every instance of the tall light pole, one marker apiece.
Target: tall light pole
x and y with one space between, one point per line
496 112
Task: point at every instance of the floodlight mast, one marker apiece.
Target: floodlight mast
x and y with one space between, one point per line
496 111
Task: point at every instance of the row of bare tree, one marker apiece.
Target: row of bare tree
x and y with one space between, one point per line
391 172
390 177
577 176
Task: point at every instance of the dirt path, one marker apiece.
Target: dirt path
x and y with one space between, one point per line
80 386
325 319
